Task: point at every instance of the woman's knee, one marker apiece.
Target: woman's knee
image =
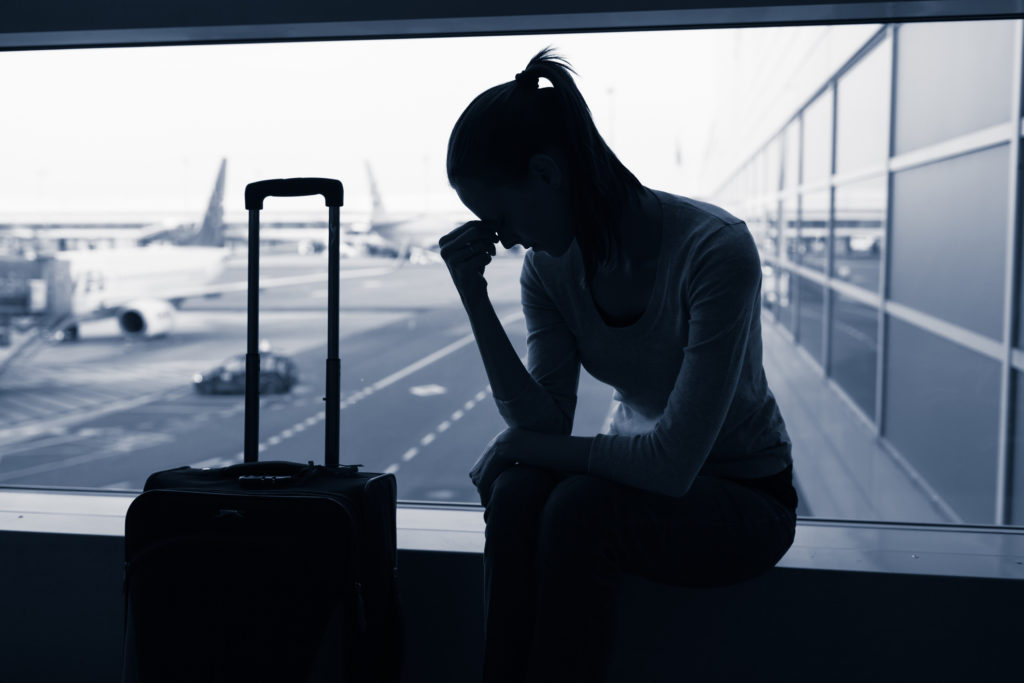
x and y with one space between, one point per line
518 495
578 512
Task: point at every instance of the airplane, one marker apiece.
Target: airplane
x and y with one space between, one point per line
143 285
411 237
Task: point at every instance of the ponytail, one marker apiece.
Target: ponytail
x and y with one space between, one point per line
506 125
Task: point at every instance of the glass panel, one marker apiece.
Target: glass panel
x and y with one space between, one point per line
941 414
789 221
862 111
817 147
791 160
1016 502
949 239
859 232
813 248
787 300
952 78
812 312
854 349
772 155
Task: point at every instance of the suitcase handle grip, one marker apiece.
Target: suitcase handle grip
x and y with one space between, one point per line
330 188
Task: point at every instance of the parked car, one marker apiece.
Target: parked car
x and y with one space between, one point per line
277 376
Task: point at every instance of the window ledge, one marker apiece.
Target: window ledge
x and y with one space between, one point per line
829 545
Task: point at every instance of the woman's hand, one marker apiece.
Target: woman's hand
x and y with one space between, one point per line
499 455
466 251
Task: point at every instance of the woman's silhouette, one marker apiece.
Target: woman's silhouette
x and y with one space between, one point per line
658 296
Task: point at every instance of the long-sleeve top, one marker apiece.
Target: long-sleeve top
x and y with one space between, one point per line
690 395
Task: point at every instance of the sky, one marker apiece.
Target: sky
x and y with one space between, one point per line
125 130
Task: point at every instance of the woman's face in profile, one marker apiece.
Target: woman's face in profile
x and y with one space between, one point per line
535 213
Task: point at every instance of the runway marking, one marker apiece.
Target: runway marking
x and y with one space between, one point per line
427 390
469 405
481 395
274 440
431 436
288 433
118 486
435 356
391 469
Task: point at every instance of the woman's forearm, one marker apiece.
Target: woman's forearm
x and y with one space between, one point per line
505 371
556 452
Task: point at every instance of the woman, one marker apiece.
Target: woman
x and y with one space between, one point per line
658 296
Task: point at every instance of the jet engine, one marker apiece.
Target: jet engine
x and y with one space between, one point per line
146 318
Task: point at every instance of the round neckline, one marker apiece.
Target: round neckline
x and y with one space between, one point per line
656 288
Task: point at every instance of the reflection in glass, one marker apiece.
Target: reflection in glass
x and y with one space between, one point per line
787 300
859 231
862 111
813 235
941 414
854 349
952 78
811 314
949 239
817 147
1016 503
788 219
771 158
791 160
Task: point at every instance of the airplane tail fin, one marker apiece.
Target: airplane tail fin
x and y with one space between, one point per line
211 233
377 213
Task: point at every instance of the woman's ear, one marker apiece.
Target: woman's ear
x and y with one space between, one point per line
545 169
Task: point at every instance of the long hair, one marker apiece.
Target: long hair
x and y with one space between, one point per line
506 125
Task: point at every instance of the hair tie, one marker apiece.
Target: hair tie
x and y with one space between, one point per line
528 80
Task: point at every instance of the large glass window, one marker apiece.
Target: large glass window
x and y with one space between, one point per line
941 413
817 143
859 232
949 239
854 350
951 79
791 155
862 111
814 226
812 315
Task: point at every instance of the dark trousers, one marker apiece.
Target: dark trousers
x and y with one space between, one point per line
557 545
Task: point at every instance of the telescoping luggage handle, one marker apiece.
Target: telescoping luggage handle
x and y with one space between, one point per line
333 194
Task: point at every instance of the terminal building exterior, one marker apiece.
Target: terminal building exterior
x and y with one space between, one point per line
885 206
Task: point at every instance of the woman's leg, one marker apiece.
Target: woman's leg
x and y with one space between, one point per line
512 515
594 530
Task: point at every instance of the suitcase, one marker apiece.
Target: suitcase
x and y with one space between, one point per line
266 571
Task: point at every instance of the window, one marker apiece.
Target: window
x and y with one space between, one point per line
102 409
949 239
859 232
951 79
862 111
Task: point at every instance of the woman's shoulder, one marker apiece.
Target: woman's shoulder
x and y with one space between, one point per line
694 210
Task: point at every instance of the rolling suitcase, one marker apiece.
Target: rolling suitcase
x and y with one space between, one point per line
266 571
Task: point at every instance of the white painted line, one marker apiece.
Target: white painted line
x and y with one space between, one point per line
288 433
410 454
457 415
481 396
428 439
310 421
391 469
435 356
488 389
301 427
469 405
274 440
427 390
443 427
262 447
321 415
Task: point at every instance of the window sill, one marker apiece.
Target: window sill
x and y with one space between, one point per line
828 545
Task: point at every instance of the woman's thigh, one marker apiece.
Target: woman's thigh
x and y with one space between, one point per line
720 532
